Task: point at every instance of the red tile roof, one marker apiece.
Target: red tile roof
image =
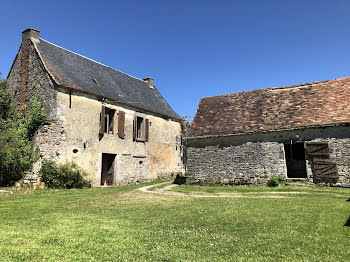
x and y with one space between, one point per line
314 104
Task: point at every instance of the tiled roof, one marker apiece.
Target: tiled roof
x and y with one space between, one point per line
308 105
77 72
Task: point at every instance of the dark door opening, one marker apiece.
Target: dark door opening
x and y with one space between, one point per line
295 160
107 172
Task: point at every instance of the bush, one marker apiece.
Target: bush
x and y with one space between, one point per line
275 181
67 175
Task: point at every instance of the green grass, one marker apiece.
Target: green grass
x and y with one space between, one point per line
123 224
282 188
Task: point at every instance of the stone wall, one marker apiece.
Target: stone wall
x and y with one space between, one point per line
135 161
28 77
253 159
246 164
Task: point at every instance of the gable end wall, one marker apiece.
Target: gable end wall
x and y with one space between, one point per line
27 77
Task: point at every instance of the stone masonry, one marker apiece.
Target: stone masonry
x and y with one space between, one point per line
246 164
253 159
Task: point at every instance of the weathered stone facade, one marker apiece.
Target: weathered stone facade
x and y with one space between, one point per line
253 159
73 130
135 161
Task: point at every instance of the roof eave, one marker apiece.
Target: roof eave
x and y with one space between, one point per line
265 131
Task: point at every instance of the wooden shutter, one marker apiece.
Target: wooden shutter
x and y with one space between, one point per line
102 121
121 124
135 128
115 116
146 130
324 169
317 150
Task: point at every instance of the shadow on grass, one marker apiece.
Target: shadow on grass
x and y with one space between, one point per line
348 200
180 180
347 223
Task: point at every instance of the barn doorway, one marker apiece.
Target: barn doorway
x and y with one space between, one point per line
295 160
107 172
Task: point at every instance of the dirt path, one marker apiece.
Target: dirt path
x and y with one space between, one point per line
167 190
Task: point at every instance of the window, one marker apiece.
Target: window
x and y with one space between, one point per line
110 129
107 123
141 129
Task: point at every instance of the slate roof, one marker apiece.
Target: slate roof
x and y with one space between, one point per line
77 72
324 103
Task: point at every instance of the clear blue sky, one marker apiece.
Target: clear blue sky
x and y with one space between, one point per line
193 48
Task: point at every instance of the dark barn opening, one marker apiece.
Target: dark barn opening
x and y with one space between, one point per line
295 160
107 172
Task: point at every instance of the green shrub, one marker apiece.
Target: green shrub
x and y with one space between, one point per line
275 181
67 175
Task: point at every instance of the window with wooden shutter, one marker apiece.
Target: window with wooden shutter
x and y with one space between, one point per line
141 128
107 121
121 124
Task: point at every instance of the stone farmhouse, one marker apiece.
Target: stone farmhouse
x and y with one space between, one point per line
300 132
117 127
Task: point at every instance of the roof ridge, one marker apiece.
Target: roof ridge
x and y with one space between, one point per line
282 87
90 59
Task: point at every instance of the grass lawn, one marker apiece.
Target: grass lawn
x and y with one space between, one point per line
125 224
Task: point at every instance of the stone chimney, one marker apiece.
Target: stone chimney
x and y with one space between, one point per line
149 81
28 34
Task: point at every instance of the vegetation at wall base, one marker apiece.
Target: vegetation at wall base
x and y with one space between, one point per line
17 129
275 181
67 175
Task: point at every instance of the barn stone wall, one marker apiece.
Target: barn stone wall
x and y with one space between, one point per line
253 159
246 164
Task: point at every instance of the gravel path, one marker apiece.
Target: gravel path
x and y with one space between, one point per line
167 190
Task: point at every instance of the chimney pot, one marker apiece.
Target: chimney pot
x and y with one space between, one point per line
149 81
30 33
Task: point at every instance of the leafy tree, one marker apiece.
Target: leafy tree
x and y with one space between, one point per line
17 129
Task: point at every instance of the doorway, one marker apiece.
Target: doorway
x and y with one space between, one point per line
295 160
107 172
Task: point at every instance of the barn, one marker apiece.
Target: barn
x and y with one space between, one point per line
300 132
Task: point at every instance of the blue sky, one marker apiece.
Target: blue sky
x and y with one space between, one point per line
193 48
